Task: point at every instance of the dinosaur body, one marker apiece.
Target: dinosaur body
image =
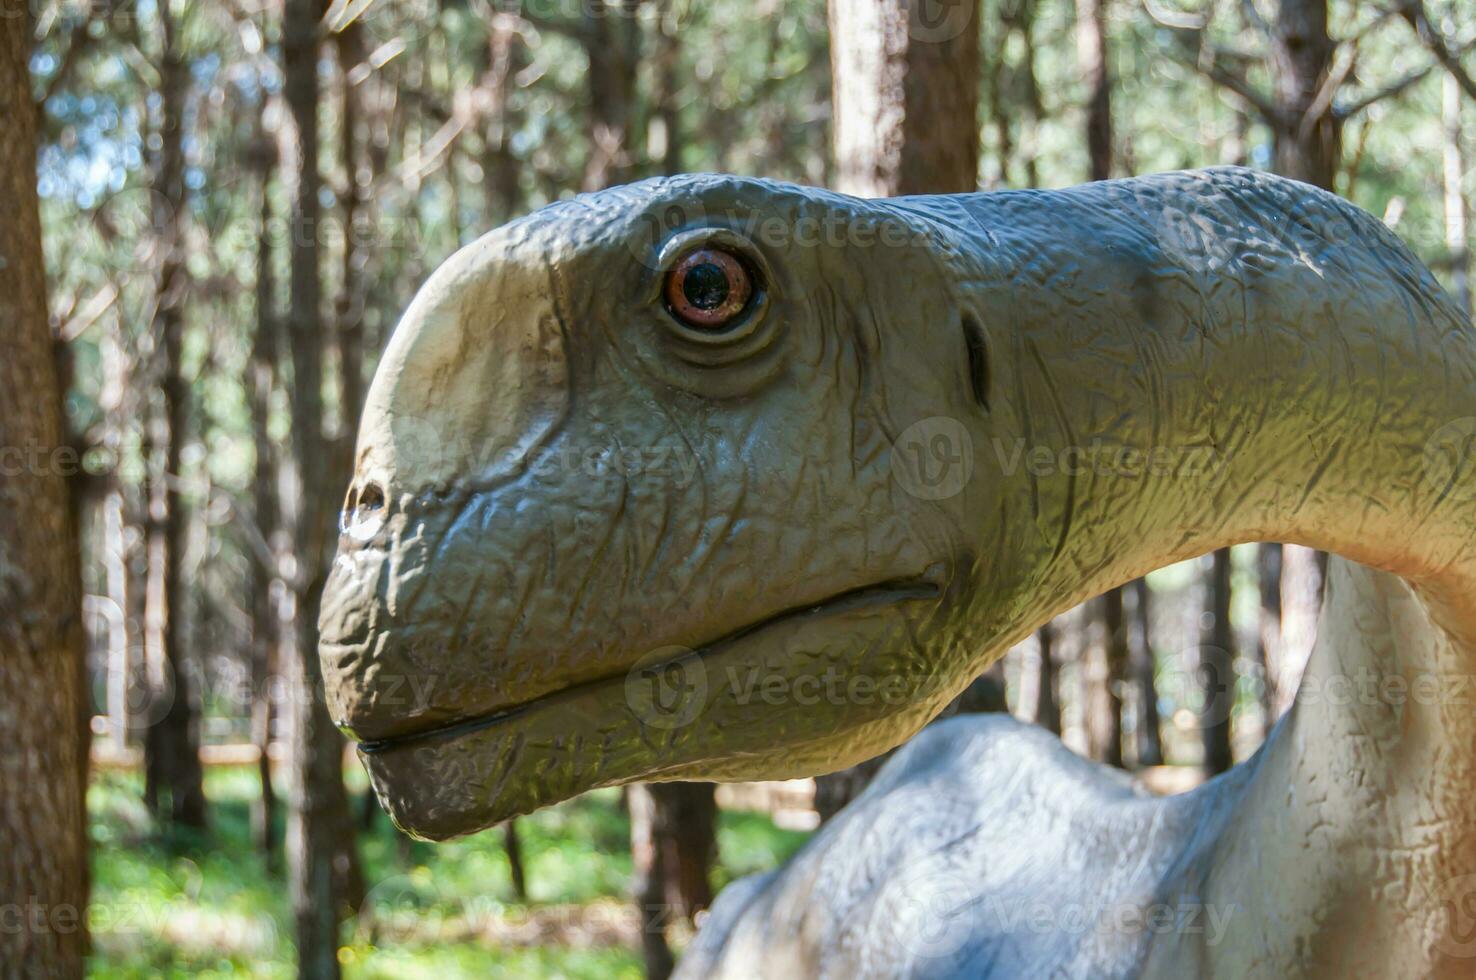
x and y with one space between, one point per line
987 849
897 437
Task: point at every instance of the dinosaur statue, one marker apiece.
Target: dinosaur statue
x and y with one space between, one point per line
712 478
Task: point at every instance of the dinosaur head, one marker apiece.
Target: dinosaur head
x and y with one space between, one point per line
655 484
707 478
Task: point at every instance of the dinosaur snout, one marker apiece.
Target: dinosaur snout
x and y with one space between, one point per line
473 382
474 379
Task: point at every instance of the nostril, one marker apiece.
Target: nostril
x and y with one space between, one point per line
364 510
371 498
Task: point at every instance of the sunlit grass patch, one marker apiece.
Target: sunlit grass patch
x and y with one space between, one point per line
206 906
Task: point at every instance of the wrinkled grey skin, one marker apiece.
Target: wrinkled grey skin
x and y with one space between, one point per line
986 848
1168 365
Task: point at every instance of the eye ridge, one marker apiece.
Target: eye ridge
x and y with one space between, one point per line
709 289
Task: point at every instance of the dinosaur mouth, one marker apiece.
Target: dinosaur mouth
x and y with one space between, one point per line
868 596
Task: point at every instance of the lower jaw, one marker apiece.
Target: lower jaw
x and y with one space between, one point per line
468 777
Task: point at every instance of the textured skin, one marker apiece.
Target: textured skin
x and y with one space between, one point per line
1345 848
1279 364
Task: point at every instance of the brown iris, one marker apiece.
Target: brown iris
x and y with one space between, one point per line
708 289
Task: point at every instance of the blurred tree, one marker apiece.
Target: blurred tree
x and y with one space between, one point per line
174 781
505 55
906 95
609 31
320 842
266 583
1047 708
673 826
1144 664
1309 70
1454 174
1092 53
1105 705
905 90
1014 90
1268 633
1217 667
43 766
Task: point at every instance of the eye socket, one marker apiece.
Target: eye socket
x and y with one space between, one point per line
708 289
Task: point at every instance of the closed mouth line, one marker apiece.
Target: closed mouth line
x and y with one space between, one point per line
880 594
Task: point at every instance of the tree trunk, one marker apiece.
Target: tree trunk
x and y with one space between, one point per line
1108 721
1144 663
172 747
996 74
673 826
664 132
1217 668
673 845
905 92
1092 59
320 848
513 845
1047 705
113 551
905 82
1030 89
1308 132
1268 639
358 177
611 34
649 874
265 616
1455 196
43 857
506 56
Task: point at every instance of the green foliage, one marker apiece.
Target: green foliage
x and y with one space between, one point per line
208 907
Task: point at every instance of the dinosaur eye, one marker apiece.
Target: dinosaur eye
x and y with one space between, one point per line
708 289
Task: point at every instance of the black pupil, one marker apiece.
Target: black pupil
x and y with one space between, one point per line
706 286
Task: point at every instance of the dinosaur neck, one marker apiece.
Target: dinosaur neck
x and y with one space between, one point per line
1234 359
1217 358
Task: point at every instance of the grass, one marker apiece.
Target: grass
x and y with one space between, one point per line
206 905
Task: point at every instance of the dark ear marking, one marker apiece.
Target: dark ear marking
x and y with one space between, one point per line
978 359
